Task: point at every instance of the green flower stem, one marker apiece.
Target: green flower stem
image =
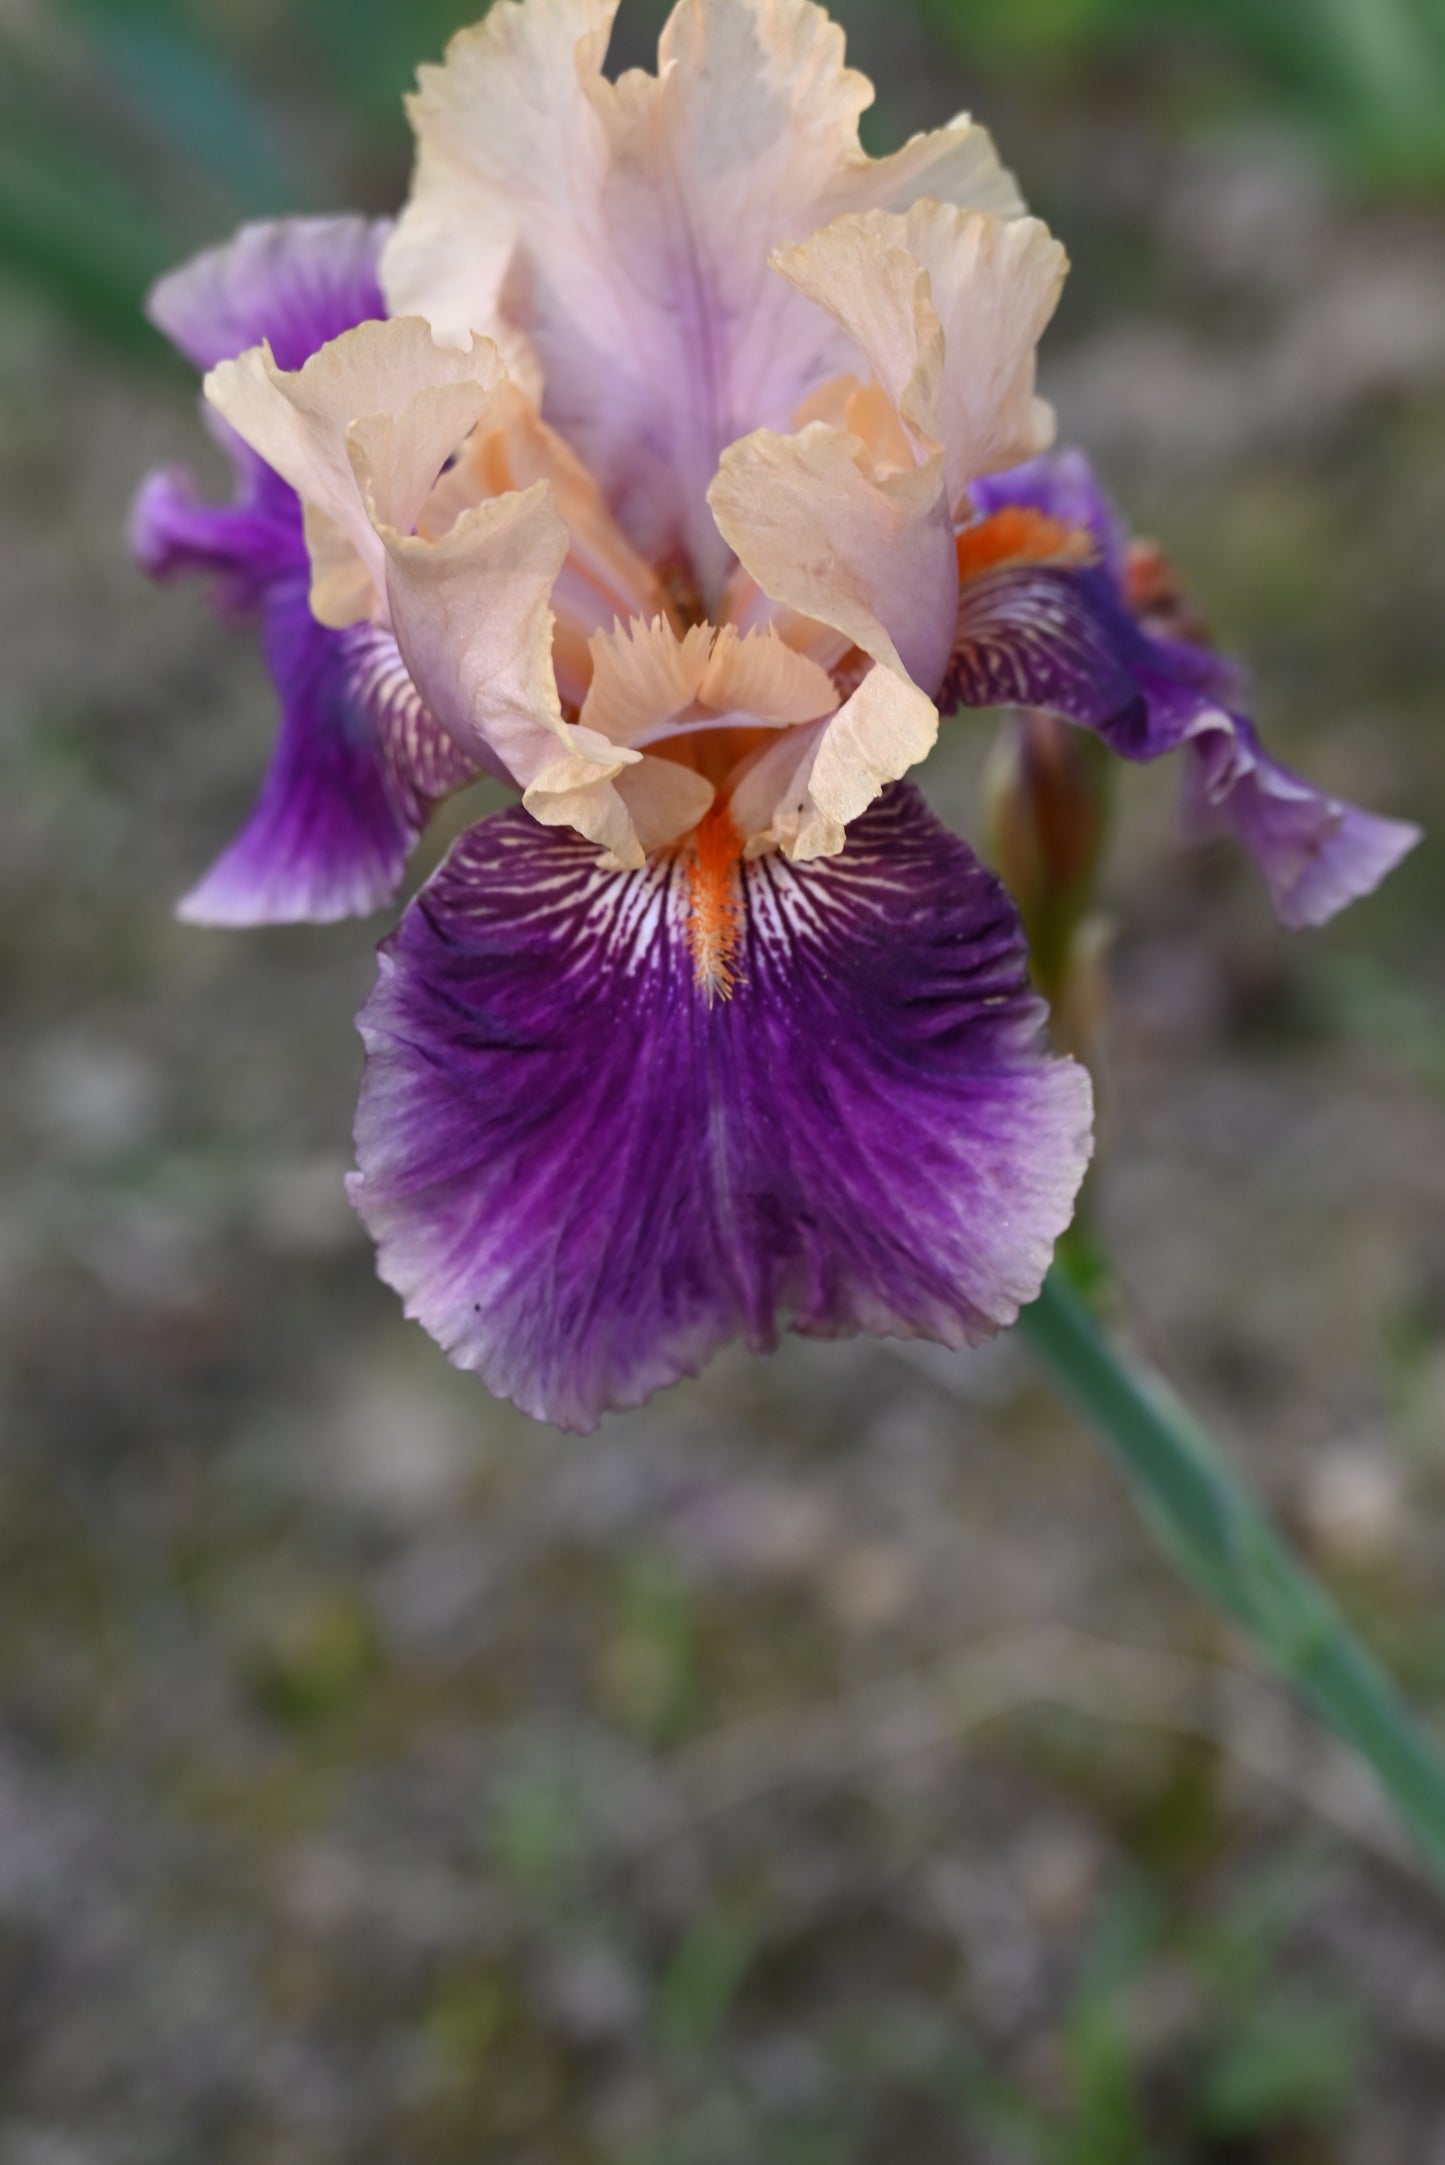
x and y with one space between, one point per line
1223 1541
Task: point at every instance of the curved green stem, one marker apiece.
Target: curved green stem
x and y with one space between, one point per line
1223 1541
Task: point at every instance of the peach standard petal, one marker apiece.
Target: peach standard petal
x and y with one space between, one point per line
623 229
473 618
603 580
948 307
823 533
299 421
800 794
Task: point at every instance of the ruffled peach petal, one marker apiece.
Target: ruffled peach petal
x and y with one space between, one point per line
995 286
948 307
474 623
863 410
343 584
516 448
823 534
603 581
801 794
298 422
624 229
576 789
507 145
664 801
954 164
862 272
643 677
649 682
759 675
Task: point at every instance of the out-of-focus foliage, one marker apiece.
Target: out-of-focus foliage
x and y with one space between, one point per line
1367 75
130 135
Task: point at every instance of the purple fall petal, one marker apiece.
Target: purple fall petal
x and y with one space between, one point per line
297 282
243 549
1316 852
357 766
584 1178
358 762
1062 639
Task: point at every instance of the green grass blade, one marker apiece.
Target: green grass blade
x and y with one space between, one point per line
1224 1542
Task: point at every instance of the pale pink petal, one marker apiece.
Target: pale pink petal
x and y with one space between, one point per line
624 229
821 532
801 794
649 683
664 800
948 307
298 422
473 619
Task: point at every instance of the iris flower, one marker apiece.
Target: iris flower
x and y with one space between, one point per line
680 464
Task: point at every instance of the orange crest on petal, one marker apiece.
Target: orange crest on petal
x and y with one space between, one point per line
1020 535
714 854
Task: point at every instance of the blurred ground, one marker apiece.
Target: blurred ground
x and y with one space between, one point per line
819 1765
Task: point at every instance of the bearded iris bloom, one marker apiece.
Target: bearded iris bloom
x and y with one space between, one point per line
681 465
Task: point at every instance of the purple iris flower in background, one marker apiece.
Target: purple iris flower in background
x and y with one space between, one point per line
681 464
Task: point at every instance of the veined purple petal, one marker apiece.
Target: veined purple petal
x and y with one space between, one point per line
1061 638
297 282
242 548
358 762
1316 852
584 1176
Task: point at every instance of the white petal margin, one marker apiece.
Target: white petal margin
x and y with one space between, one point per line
299 422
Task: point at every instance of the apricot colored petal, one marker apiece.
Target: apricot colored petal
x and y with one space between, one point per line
948 307
299 421
624 228
821 533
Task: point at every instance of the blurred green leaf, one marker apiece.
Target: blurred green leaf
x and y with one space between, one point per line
189 94
1286 2063
648 1662
1219 1538
702 1981
535 1830
320 1658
